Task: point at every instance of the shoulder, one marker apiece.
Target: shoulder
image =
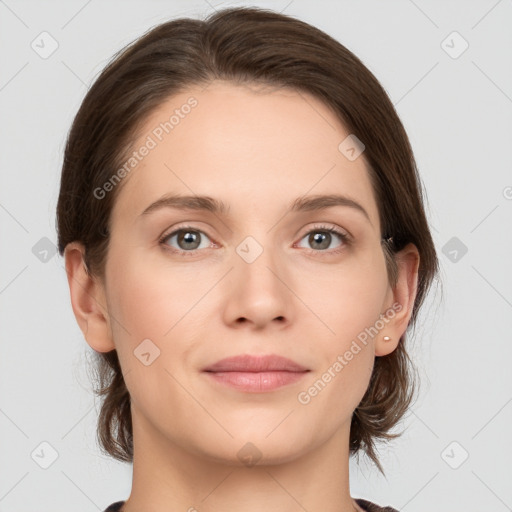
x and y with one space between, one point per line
368 506
115 507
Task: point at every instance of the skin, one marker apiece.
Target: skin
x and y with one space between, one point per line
256 150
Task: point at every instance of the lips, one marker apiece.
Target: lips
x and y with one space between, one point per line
249 363
255 374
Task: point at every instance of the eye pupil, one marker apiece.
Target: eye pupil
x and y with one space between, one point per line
189 240
188 237
321 237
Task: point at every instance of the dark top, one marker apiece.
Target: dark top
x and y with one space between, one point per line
365 505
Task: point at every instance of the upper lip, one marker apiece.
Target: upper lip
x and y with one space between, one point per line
250 363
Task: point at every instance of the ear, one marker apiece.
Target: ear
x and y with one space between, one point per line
88 300
400 299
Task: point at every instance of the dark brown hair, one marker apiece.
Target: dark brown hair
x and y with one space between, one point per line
244 46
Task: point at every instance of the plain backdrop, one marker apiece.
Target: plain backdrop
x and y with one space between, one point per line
447 67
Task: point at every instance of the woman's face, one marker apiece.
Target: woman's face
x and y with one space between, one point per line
189 286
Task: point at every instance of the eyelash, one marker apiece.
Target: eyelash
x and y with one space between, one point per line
322 228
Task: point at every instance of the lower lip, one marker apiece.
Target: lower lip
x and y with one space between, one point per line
256 382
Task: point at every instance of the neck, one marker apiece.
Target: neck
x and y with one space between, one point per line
167 477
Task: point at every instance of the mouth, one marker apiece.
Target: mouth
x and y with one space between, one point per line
256 374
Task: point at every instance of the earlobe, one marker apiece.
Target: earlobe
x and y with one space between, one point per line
87 300
403 295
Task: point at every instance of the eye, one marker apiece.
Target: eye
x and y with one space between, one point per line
188 239
321 237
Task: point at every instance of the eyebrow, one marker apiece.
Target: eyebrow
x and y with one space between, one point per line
206 203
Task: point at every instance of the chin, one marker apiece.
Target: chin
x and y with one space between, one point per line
250 449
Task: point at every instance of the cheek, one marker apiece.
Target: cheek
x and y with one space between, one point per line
172 307
147 306
349 307
152 300
348 298
335 392
148 299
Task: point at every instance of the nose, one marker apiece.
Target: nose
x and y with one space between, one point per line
257 291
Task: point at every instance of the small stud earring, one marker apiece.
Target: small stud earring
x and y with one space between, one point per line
387 338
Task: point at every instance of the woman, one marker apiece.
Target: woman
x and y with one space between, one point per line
246 246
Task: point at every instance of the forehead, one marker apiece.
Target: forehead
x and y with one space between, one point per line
244 145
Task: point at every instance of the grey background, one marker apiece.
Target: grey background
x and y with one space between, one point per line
458 114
